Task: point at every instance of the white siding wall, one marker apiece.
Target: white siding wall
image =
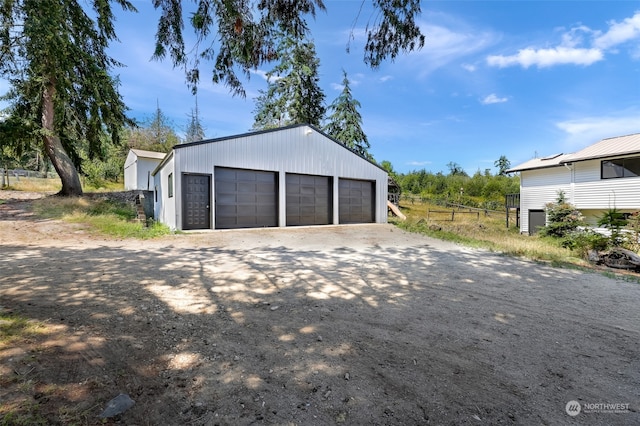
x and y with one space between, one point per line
583 187
539 187
294 150
592 192
137 172
130 171
164 208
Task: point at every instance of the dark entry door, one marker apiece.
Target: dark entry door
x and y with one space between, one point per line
196 201
357 201
308 200
245 198
537 218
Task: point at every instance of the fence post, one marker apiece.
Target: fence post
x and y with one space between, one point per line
453 215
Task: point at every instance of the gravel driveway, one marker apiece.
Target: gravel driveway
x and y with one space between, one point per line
361 324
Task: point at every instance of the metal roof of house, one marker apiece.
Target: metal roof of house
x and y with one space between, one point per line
148 154
610 147
606 148
540 163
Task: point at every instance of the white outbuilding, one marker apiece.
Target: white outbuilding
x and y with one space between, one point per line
289 176
138 168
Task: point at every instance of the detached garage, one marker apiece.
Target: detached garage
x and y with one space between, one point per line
292 176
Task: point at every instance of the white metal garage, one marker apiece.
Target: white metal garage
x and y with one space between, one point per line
290 176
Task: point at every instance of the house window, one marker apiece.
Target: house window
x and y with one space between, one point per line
621 168
170 190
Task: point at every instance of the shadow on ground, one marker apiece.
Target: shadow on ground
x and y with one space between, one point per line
279 335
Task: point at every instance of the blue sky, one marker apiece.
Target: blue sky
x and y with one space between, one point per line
514 78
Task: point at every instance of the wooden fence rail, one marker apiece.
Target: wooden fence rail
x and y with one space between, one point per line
453 213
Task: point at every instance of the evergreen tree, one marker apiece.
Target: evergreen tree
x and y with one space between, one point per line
156 134
503 164
293 95
246 32
345 122
195 130
53 52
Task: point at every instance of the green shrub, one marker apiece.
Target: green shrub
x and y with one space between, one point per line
562 218
584 240
614 221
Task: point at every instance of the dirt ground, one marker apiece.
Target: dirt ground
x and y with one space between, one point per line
357 325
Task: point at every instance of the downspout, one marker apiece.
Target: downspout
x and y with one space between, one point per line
572 185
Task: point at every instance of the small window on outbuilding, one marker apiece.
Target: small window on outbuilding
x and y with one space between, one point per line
170 190
155 192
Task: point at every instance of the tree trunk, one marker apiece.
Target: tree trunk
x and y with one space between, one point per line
53 146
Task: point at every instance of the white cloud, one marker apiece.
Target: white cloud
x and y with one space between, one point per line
547 57
587 130
418 163
448 39
573 49
386 78
493 99
619 32
469 67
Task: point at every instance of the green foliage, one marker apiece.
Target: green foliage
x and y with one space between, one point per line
240 35
456 169
345 122
633 235
562 218
103 215
293 95
614 221
584 240
54 54
503 164
479 190
194 131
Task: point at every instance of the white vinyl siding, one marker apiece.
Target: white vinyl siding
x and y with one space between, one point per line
539 187
583 187
165 207
592 192
138 169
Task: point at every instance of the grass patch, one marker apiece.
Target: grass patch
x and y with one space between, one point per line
23 414
483 230
53 185
14 328
101 215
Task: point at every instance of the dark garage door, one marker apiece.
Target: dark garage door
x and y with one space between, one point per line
245 198
357 201
308 200
196 201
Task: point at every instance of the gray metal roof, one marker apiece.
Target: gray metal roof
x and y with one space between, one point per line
610 147
606 148
540 163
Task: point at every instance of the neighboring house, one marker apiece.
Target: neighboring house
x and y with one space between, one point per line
138 167
289 176
602 176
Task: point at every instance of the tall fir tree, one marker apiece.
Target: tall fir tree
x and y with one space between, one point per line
345 122
194 131
155 134
54 54
293 94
